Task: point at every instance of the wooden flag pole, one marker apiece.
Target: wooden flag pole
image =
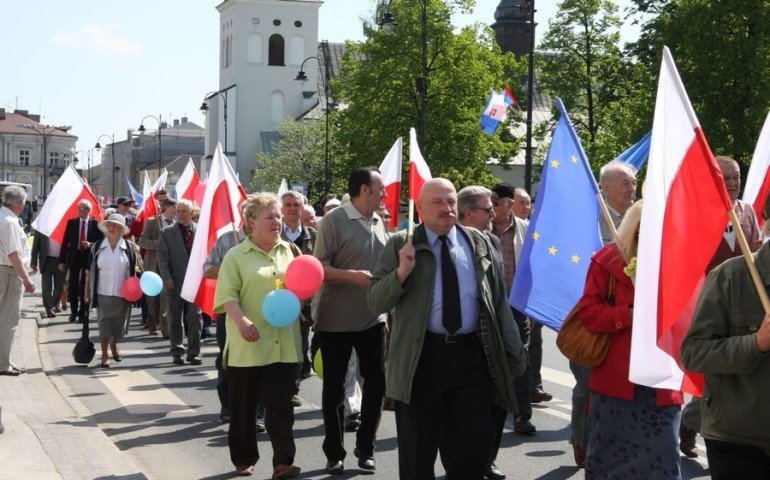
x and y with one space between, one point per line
608 218
747 255
410 227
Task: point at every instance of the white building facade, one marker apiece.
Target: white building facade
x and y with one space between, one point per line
263 43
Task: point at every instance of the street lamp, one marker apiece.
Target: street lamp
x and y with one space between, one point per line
112 145
44 131
387 23
530 89
205 108
75 162
158 119
301 77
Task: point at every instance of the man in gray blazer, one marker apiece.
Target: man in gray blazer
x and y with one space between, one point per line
173 256
45 258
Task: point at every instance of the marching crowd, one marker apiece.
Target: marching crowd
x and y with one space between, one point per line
419 322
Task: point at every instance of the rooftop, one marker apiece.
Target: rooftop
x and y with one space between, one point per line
24 123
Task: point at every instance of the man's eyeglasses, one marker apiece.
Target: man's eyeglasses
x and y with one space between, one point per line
489 210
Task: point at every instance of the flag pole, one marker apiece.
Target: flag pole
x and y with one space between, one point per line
410 226
608 217
750 261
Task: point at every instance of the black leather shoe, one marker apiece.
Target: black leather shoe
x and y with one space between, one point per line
493 473
538 395
524 426
335 467
353 422
194 360
178 360
73 318
365 462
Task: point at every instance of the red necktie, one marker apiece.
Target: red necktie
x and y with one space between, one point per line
82 233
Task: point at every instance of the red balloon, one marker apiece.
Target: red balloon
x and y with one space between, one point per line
198 194
304 276
132 289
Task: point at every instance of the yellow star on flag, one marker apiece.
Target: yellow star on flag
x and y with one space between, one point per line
574 159
555 163
552 250
535 236
575 259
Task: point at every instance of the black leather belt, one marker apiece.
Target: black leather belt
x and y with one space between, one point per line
450 337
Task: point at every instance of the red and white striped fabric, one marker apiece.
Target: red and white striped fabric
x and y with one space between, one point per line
62 205
185 186
419 173
391 177
219 216
149 209
758 180
685 212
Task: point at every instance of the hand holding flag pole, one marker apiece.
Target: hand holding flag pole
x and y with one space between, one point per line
760 286
410 227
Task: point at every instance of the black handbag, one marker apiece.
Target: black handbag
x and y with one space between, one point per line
84 350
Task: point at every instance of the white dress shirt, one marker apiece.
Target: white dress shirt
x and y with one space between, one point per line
113 268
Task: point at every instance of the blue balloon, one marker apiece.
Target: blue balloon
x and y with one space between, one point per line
281 308
151 284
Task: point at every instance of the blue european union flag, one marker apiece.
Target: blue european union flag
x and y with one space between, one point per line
563 233
638 153
134 193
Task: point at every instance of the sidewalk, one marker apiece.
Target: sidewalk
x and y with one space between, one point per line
48 433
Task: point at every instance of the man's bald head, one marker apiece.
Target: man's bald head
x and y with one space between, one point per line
438 205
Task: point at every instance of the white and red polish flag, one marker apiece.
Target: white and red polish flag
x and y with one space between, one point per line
390 169
220 215
185 186
419 173
62 205
683 220
758 180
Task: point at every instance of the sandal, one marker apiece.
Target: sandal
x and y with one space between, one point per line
11 372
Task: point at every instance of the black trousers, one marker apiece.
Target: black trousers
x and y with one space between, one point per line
52 281
222 388
523 384
304 366
450 403
76 290
729 461
273 383
336 348
536 353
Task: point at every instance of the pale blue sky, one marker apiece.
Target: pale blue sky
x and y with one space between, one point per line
102 65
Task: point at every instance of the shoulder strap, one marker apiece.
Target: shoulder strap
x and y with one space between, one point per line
295 249
611 291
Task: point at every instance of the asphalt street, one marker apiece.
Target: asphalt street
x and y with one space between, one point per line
166 417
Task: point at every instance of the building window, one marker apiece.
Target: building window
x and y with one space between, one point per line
254 51
66 160
298 24
297 50
24 158
53 159
275 50
276 106
277 22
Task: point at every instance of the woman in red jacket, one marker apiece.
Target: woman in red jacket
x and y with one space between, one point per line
633 429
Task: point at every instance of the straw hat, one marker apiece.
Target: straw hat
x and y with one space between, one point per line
115 218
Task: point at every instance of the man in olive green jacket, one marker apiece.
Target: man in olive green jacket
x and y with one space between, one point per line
404 280
729 341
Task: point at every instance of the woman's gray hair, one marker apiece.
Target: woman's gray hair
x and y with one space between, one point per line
257 203
614 167
188 203
469 196
14 195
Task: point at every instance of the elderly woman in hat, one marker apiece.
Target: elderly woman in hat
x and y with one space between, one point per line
111 262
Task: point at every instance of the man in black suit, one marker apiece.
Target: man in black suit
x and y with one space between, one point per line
80 233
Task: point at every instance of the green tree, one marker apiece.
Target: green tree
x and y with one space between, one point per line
582 64
722 51
299 157
378 87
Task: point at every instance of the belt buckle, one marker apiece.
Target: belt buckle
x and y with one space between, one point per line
450 338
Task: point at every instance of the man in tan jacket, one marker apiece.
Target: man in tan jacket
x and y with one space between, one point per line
158 316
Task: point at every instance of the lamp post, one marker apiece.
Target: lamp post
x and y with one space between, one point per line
387 23
301 77
45 131
158 119
205 108
530 90
112 145
75 162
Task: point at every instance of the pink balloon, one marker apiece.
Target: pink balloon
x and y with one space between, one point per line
304 276
132 289
200 191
